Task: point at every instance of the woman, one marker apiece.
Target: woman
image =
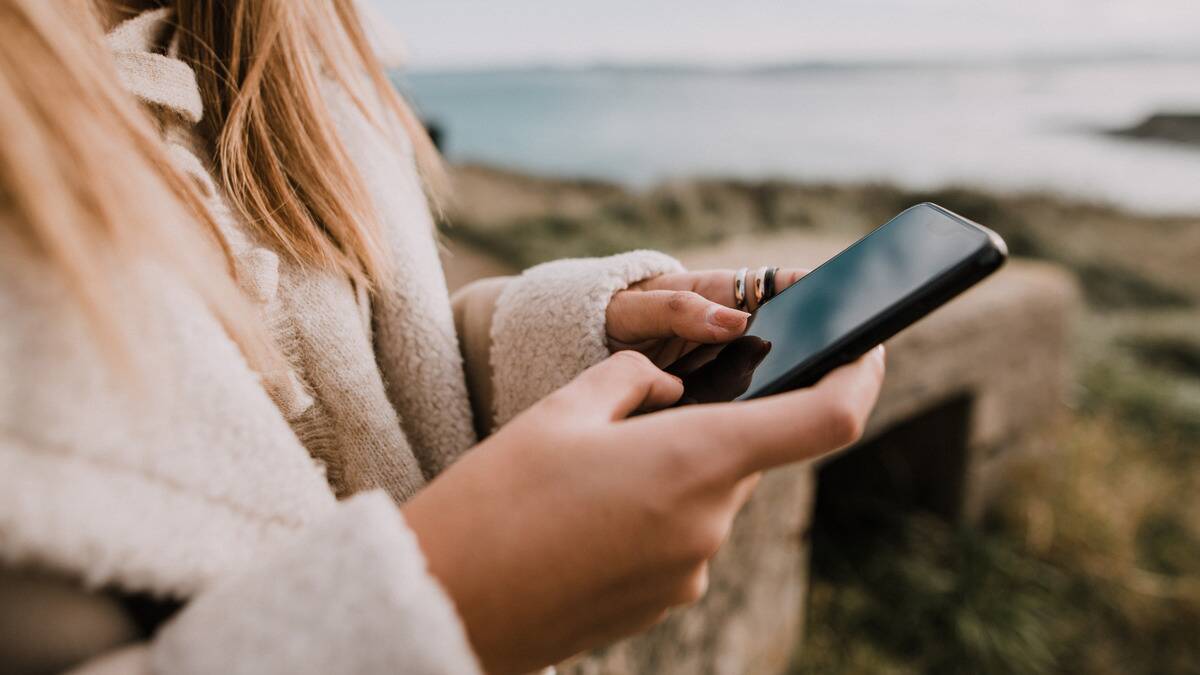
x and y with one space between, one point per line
224 315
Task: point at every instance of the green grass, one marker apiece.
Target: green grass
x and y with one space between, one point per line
1090 563
1179 354
924 596
1089 568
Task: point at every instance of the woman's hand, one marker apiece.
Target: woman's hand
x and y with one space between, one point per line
574 526
664 317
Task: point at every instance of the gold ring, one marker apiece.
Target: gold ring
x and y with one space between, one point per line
739 288
760 279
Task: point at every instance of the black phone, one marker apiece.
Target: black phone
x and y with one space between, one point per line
880 285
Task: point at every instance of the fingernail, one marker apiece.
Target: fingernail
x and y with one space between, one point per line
724 317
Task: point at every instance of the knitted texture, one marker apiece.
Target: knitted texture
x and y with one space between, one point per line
153 78
416 348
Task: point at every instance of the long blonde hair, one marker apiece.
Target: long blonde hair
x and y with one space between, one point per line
259 64
83 176
85 182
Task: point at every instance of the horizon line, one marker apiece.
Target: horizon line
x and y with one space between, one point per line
783 66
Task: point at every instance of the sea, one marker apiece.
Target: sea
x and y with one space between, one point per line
1017 125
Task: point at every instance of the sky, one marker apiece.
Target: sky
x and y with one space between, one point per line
500 33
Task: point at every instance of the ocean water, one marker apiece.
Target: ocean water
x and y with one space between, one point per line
1008 126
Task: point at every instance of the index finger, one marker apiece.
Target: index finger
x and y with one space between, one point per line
751 436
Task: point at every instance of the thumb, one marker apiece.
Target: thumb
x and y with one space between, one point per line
620 385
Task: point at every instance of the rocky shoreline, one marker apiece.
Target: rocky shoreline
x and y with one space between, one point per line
1123 259
1181 127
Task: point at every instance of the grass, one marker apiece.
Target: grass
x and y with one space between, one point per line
1091 562
1094 241
1090 565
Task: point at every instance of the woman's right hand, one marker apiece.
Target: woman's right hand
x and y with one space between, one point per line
573 526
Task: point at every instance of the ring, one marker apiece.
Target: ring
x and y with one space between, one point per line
769 289
739 288
759 286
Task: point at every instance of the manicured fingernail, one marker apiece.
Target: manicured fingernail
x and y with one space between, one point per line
724 317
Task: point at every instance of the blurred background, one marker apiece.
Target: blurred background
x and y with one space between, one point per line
713 128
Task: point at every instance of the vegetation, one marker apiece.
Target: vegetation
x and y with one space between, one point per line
1092 562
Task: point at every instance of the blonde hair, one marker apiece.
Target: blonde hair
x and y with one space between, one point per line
259 65
83 175
85 182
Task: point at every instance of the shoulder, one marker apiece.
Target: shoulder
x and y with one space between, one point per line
156 477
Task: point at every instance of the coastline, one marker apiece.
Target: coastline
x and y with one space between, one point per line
1123 258
1181 128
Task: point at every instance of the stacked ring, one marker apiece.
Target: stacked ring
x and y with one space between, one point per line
739 288
769 289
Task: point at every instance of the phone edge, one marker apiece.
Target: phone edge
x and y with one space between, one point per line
917 305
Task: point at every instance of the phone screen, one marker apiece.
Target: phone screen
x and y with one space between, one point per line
805 321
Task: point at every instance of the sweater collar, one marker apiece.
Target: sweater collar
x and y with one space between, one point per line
144 49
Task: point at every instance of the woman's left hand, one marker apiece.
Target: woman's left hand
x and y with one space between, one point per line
666 316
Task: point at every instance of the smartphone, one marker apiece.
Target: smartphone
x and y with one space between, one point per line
880 285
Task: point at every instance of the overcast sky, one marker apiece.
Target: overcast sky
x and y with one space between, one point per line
466 33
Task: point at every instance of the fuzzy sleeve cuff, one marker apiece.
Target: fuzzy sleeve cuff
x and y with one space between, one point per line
350 595
549 323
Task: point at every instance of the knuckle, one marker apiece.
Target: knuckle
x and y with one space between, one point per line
556 402
682 465
548 414
630 358
844 423
693 587
700 543
654 616
680 301
631 364
716 448
720 448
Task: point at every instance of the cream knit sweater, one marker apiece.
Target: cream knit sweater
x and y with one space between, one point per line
214 486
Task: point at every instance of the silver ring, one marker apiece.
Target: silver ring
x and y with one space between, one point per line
739 288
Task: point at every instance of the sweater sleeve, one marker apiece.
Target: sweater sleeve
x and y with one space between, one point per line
548 324
349 595
474 306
